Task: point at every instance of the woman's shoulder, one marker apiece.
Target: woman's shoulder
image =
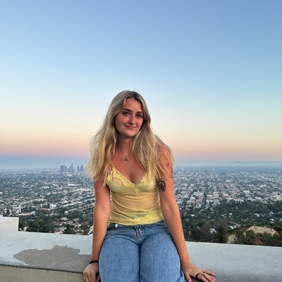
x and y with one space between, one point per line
165 156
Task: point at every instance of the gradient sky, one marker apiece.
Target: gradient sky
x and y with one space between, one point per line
210 71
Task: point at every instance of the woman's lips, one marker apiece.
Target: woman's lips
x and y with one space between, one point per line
130 127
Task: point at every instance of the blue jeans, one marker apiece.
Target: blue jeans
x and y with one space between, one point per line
139 253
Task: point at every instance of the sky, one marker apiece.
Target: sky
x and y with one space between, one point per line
210 72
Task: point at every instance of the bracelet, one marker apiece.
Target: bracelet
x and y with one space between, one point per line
93 261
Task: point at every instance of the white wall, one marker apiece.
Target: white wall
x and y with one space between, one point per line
9 223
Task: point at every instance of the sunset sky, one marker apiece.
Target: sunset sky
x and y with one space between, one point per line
210 71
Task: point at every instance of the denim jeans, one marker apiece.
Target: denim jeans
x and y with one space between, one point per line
139 253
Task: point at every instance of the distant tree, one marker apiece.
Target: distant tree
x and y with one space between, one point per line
68 230
85 229
220 236
250 237
22 223
43 225
221 231
197 234
207 231
240 237
271 240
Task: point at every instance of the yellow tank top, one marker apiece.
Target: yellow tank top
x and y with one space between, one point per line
133 204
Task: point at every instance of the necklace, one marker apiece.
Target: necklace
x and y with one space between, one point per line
125 157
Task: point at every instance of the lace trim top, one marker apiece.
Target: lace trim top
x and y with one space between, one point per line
133 203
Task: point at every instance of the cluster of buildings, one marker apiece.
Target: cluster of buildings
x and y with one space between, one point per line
66 195
205 187
58 194
71 169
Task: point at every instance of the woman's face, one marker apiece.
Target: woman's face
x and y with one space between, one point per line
129 121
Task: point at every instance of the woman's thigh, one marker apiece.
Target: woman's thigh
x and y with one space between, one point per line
159 259
119 256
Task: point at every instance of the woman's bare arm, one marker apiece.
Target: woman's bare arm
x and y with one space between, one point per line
101 214
172 217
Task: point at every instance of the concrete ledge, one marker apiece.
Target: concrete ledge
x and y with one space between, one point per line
45 250
24 274
235 263
9 223
30 257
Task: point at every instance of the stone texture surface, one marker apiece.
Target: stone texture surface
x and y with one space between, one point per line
57 255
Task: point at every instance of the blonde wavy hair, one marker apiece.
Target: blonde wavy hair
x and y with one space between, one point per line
146 146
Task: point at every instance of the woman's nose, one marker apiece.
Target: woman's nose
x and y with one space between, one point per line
131 119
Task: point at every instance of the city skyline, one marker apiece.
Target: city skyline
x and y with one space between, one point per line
209 71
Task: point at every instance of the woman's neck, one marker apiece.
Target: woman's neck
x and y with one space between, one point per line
124 147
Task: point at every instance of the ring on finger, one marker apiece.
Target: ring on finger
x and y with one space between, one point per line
199 273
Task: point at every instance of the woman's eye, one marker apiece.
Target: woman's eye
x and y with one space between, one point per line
125 113
139 116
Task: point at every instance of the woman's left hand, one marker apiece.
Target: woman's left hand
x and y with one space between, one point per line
191 270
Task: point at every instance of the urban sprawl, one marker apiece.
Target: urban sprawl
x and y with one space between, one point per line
63 199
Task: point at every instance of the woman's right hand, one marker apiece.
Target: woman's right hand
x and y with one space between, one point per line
91 273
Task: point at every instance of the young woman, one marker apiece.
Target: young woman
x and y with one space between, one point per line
137 235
